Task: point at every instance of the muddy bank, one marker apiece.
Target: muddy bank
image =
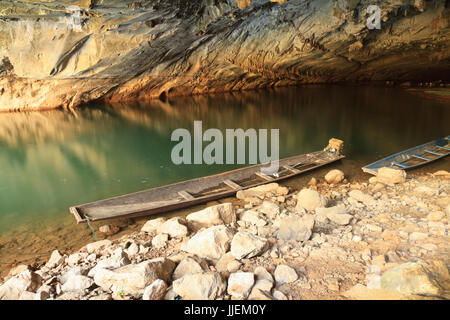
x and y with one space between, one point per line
332 239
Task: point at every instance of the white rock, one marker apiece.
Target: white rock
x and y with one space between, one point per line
334 176
258 294
336 214
233 266
261 273
152 226
76 258
174 227
200 286
109 229
156 291
160 240
222 264
361 197
15 286
211 243
185 267
310 199
264 285
77 283
294 228
118 259
373 228
216 215
240 284
270 209
133 279
285 274
253 217
391 176
133 249
96 247
279 295
55 259
247 245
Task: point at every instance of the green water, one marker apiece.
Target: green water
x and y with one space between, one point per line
52 160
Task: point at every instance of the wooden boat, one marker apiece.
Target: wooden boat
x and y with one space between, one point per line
198 191
414 157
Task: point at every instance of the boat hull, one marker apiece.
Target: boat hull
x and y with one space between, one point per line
413 157
196 191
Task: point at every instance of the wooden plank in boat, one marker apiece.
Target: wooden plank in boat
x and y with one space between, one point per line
186 195
264 176
232 184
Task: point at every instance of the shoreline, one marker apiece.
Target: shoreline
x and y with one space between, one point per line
80 237
377 228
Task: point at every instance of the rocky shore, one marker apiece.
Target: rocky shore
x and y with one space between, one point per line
382 239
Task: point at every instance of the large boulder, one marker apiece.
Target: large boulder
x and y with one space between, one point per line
156 291
174 227
55 259
134 278
26 281
337 214
285 274
334 176
211 243
77 283
151 226
391 176
240 284
247 245
428 278
118 259
417 279
200 286
186 266
310 199
216 215
270 209
98 246
253 217
294 228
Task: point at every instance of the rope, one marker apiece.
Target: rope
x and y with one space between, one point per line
92 229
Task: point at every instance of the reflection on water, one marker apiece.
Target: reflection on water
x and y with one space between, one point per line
52 160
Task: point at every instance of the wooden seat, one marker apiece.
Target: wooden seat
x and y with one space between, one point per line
420 157
232 184
186 195
433 152
264 176
289 168
400 165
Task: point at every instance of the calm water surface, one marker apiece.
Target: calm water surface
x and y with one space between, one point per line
52 160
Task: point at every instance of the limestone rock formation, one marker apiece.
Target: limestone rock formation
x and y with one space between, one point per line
128 50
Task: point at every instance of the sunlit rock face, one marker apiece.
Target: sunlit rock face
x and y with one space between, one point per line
132 50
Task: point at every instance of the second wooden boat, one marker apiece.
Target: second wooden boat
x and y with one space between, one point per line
414 157
200 190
